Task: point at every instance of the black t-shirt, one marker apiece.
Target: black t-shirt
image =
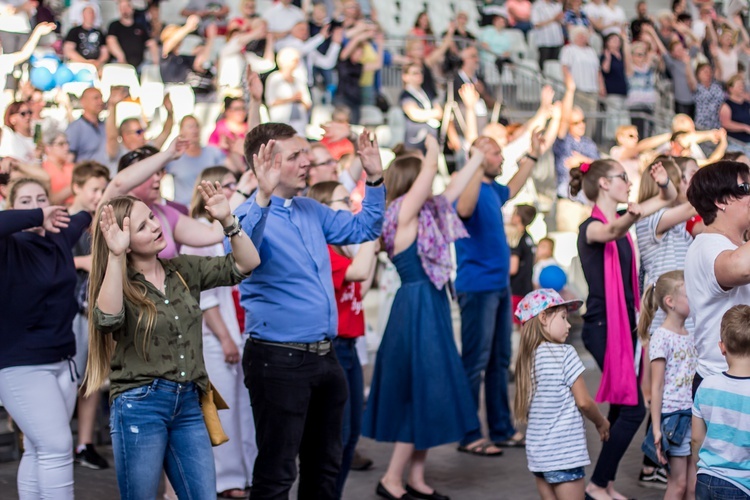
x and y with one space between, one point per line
592 262
349 75
88 42
520 283
132 39
175 68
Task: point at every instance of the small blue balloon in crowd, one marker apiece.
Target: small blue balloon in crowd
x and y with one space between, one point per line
63 75
84 76
553 277
42 78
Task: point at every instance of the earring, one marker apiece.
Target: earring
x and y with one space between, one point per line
723 209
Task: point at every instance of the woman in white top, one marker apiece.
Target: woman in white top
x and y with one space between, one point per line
287 96
726 50
223 342
717 265
17 141
612 18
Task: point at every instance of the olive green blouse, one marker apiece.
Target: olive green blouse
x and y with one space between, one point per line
175 350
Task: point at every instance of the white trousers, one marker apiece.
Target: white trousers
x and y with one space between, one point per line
235 458
40 399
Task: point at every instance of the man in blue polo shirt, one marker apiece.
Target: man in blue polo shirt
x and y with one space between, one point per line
297 387
483 286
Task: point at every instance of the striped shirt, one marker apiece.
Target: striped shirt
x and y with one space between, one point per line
556 436
661 254
583 64
549 35
723 402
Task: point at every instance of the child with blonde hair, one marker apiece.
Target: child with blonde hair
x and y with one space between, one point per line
551 395
673 364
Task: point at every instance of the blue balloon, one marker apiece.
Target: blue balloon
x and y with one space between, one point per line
553 277
42 79
84 76
63 75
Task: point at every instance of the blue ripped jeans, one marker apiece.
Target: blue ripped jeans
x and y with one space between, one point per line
160 426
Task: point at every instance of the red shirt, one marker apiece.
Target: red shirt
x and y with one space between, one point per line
348 298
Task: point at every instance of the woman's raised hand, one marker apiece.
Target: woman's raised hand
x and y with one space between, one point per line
55 218
118 239
659 174
177 147
217 204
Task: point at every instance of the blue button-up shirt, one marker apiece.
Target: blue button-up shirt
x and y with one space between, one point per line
289 296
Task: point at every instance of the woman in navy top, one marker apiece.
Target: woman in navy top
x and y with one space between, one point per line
735 112
37 307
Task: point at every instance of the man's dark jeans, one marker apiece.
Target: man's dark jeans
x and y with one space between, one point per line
298 401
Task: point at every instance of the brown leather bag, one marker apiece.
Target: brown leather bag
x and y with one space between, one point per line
211 402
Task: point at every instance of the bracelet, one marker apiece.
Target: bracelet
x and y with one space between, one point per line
242 193
663 186
232 229
237 231
375 183
532 158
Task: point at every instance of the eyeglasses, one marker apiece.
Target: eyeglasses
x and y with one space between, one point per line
622 176
230 185
61 143
578 122
347 201
327 163
139 131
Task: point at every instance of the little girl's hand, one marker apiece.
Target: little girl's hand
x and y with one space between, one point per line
657 444
603 430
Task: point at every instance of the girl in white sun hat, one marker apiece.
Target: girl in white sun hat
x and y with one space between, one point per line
551 395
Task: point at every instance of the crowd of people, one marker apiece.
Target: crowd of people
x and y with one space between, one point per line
241 281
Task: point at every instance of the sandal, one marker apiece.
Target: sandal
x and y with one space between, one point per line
481 449
512 443
234 493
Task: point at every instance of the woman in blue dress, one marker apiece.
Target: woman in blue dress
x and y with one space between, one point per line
419 396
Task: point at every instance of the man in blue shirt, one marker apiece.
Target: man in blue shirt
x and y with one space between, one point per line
88 134
297 386
483 286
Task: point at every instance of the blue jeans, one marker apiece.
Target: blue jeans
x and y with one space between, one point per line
486 328
346 351
160 426
713 488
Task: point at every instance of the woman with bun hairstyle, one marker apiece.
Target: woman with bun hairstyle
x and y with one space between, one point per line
609 331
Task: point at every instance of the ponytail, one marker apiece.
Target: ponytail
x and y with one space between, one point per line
649 306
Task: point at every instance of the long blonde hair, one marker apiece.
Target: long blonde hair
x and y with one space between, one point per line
101 345
653 299
533 333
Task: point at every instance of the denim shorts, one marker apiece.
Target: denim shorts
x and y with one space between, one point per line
684 449
562 476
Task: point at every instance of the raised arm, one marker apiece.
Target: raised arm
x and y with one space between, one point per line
470 98
245 254
673 216
191 24
117 95
421 190
40 30
667 191
168 123
362 264
52 219
526 164
464 177
567 103
138 173
204 53
720 138
110 298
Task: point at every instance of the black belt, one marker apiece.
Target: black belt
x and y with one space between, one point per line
321 348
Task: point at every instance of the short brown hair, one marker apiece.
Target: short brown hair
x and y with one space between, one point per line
88 169
526 214
322 192
262 134
735 330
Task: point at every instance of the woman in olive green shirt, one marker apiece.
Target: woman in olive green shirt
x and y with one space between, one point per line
146 327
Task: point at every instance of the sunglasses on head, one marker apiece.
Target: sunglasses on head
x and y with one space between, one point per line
743 189
136 155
